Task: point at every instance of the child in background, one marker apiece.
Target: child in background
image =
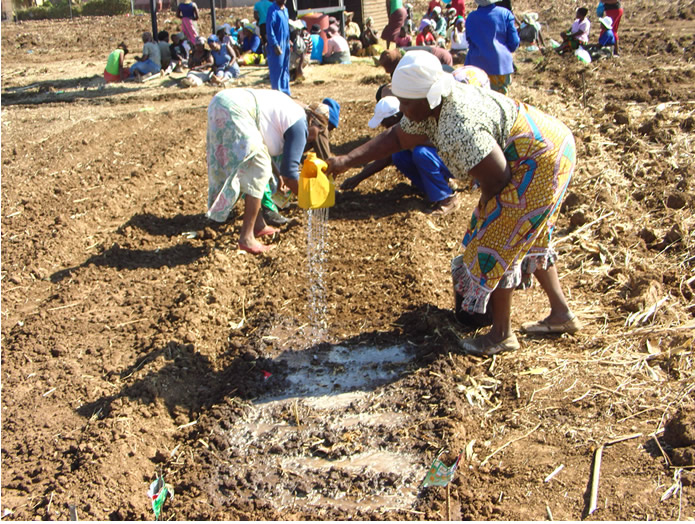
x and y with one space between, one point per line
114 71
530 30
178 53
459 44
578 34
409 20
403 39
164 51
426 37
606 42
607 37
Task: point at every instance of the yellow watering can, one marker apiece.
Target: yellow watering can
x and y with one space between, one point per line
316 190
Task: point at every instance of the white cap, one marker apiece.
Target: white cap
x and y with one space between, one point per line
386 107
606 22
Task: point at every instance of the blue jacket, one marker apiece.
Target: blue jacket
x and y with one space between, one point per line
251 43
492 38
277 28
607 38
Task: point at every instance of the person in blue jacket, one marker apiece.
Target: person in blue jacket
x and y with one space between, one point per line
278 35
492 38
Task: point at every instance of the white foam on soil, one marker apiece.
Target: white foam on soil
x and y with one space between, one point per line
332 389
342 375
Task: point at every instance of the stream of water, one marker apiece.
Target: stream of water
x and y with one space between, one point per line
316 253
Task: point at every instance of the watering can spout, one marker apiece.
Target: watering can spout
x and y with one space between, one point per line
316 190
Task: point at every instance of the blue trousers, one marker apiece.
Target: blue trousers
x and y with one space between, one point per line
279 69
423 167
148 66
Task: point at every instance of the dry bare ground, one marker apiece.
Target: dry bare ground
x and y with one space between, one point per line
137 339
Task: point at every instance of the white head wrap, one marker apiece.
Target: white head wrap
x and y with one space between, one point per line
419 75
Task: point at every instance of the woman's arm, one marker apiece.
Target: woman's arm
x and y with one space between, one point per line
369 170
196 14
295 138
492 173
385 144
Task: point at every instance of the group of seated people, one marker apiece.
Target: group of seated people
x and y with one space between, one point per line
577 36
215 64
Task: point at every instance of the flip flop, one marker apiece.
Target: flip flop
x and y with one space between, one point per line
479 347
545 328
256 250
267 230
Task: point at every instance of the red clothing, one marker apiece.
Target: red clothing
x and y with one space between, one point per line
432 5
404 41
425 39
460 6
616 15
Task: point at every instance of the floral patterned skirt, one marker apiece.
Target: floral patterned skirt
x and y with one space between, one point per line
512 233
238 159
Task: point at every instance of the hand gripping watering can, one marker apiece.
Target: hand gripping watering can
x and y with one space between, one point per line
316 190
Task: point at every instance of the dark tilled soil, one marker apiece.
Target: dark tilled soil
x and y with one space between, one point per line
137 339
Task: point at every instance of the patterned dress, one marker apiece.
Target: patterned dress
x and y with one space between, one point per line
511 233
238 159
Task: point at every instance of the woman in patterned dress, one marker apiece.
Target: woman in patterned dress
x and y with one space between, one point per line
246 128
521 158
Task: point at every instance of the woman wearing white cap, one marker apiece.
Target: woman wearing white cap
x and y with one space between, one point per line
521 158
421 165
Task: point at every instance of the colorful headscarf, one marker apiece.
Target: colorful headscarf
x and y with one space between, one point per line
334 111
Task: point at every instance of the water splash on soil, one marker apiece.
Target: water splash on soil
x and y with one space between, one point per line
324 428
316 251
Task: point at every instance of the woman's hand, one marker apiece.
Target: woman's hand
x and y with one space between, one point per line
351 183
282 185
278 50
337 165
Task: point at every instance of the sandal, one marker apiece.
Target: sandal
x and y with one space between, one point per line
479 346
267 230
543 327
256 250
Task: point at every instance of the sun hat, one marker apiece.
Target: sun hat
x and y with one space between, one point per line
419 75
331 29
529 18
213 38
244 21
437 9
386 107
606 22
296 25
200 40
